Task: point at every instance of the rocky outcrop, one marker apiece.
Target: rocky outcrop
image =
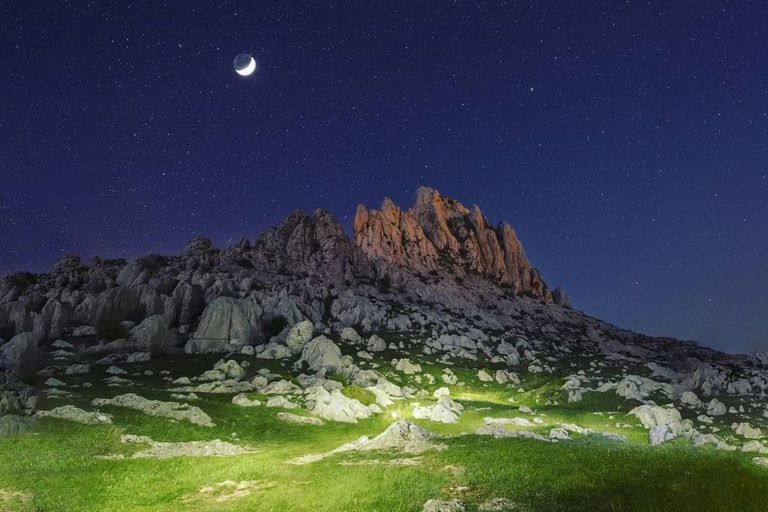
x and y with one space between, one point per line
440 233
20 357
226 324
313 244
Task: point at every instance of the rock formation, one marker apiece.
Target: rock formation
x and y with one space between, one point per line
440 233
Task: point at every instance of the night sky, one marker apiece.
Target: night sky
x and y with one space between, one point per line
626 141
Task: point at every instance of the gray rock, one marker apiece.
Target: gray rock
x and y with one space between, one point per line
171 410
20 357
334 406
243 401
13 425
77 369
154 333
716 408
376 344
321 354
226 324
350 335
299 335
160 450
72 413
452 505
282 403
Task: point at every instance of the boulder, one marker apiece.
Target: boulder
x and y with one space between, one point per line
154 333
716 408
321 354
77 369
334 406
747 430
452 505
231 369
444 411
690 399
298 336
484 376
350 335
227 324
243 401
281 402
664 423
13 425
20 357
375 344
406 366
72 413
171 410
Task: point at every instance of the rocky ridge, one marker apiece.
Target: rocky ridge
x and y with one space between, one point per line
437 274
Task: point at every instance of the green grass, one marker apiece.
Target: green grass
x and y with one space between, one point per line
56 466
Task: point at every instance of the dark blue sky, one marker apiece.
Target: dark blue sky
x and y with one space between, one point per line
626 141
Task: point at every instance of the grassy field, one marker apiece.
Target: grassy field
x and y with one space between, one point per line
58 466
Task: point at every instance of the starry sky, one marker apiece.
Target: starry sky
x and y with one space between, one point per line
627 142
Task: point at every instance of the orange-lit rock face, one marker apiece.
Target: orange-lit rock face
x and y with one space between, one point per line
440 233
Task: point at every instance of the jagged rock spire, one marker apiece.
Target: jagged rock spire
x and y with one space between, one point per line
439 232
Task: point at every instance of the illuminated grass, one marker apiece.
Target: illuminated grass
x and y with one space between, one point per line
57 463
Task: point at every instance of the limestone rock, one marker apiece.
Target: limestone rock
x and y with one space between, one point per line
72 413
406 366
172 410
161 450
335 406
376 344
281 402
298 336
444 411
227 324
243 401
438 232
321 354
452 505
716 408
350 335
20 356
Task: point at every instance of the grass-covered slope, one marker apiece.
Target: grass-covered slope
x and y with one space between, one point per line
61 465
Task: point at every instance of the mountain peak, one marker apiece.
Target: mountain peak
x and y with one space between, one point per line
438 232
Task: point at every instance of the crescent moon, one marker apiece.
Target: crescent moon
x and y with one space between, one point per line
247 70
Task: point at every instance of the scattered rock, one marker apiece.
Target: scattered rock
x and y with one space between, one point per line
406 366
747 430
72 413
298 336
243 401
161 450
335 406
321 354
402 435
716 408
171 410
376 344
444 411
281 403
453 505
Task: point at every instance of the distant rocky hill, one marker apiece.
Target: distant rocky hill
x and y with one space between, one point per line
438 272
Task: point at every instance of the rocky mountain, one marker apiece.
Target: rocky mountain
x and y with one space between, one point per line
438 233
439 274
